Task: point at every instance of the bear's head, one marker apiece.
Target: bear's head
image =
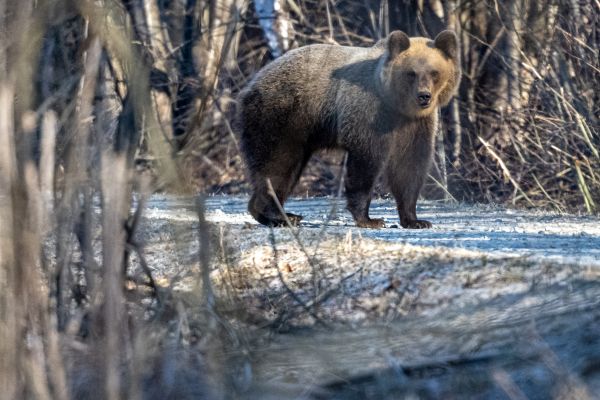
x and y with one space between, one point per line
417 75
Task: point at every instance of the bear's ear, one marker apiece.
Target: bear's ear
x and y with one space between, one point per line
447 42
397 42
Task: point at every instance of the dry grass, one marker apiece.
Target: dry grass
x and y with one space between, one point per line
354 310
79 318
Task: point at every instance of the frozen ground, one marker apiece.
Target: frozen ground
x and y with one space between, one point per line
491 229
488 303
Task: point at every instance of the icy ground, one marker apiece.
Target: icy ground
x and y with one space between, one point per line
491 229
489 292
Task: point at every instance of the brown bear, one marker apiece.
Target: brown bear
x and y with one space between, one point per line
378 103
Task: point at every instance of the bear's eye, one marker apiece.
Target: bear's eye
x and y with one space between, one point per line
411 74
435 75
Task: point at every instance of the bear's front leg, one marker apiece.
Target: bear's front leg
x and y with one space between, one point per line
361 173
406 202
405 184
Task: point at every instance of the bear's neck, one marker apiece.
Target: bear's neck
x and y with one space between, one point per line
398 119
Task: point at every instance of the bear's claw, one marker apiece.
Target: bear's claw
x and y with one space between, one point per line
417 224
373 223
294 218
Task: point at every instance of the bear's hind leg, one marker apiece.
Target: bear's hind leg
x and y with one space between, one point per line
361 174
263 206
264 209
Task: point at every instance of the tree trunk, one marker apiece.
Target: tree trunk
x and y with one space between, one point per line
513 48
453 115
160 49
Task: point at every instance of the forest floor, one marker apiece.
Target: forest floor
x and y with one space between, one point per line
491 302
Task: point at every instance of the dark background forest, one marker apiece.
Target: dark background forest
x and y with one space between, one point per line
523 129
119 99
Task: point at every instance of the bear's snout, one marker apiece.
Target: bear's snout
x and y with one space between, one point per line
424 99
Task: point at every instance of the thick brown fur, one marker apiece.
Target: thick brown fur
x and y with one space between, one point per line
378 103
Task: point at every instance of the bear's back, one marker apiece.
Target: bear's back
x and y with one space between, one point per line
310 68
